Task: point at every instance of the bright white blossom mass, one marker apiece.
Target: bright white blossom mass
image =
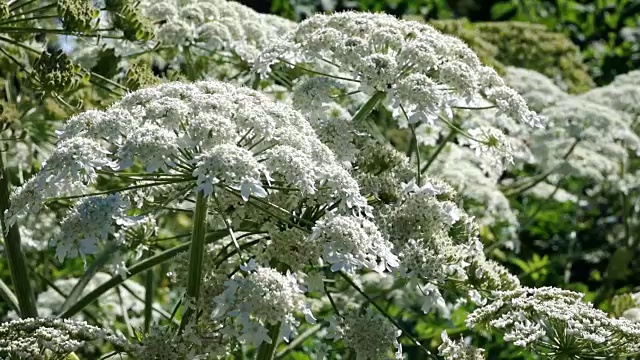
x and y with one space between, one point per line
229 184
421 70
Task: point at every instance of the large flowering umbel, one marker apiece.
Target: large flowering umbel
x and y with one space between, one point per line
584 139
554 321
28 338
623 96
203 136
538 90
422 71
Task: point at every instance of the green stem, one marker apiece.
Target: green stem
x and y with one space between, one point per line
30 30
9 297
438 150
310 71
385 314
109 81
148 298
266 350
368 106
521 189
13 251
126 188
417 149
77 290
17 5
196 258
255 84
19 44
157 309
41 17
134 270
16 14
188 63
125 315
299 340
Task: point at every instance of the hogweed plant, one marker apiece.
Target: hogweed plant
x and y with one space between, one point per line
305 223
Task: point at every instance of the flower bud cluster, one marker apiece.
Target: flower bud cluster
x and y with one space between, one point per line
56 73
127 17
77 15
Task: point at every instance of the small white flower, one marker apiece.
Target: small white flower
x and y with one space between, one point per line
434 300
315 282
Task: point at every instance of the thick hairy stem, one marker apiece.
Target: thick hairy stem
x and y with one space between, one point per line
368 106
197 254
266 351
13 251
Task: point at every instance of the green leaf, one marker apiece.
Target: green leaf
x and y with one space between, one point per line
501 9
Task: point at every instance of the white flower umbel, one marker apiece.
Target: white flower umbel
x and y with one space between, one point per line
214 25
253 156
262 297
422 71
91 221
538 90
225 163
630 78
458 350
369 334
555 321
584 139
419 227
350 243
622 97
28 338
477 183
